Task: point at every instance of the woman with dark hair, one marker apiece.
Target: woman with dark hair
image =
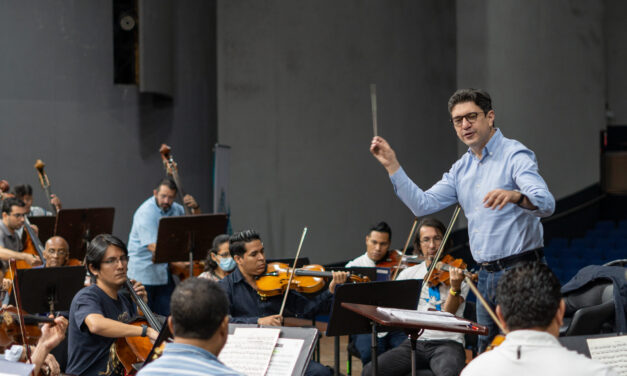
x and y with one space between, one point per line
219 261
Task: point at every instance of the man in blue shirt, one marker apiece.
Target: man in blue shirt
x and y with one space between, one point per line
142 243
200 324
498 186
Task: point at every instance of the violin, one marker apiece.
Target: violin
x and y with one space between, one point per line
131 350
10 332
308 279
441 274
395 257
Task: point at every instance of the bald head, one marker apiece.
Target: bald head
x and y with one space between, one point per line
56 251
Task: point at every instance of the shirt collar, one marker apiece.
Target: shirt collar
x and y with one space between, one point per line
491 146
172 346
153 199
237 275
526 336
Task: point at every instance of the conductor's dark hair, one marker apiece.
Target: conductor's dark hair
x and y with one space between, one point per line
198 306
168 182
435 223
529 296
22 190
381 227
97 248
211 265
237 242
477 96
10 202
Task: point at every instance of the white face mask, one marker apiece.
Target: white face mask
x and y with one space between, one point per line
227 264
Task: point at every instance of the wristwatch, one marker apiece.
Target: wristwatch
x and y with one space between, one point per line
144 330
522 197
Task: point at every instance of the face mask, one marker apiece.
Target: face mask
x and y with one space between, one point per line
227 264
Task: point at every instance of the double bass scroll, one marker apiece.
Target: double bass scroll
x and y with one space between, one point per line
45 183
171 169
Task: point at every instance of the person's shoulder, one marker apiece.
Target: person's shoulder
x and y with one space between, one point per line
481 365
177 209
413 272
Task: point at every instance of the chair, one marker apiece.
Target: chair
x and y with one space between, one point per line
589 310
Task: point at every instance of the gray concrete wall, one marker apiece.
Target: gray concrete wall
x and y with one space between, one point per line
100 141
544 64
616 54
294 105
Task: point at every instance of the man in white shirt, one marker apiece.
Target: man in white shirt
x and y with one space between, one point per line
441 352
530 306
377 245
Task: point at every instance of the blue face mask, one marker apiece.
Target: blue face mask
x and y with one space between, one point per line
227 264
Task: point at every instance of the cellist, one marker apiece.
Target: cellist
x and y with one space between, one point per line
13 212
142 243
98 313
441 352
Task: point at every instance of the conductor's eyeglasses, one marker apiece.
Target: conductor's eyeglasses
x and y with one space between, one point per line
471 117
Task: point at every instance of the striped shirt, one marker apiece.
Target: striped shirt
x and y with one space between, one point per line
182 359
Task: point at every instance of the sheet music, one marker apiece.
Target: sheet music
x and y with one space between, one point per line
408 315
15 368
611 351
248 350
284 357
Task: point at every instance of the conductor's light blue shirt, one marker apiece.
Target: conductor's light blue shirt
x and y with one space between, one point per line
494 234
143 233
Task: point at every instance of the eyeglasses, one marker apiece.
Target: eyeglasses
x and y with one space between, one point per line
435 239
122 259
18 215
471 117
60 252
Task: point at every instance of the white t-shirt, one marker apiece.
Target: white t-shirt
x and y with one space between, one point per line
532 352
362 261
426 301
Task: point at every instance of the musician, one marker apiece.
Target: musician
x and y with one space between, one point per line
219 262
245 304
142 244
200 324
98 313
531 308
378 242
24 192
441 352
13 212
56 252
497 185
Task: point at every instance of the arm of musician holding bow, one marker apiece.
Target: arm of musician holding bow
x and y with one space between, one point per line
455 296
51 337
7 254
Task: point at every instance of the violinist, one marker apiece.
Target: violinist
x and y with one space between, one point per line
378 241
56 252
13 212
531 307
245 304
441 352
24 192
142 244
99 313
200 324
219 262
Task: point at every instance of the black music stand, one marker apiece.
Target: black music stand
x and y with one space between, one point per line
52 289
79 226
45 224
188 237
394 294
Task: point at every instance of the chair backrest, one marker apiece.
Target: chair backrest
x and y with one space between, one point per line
591 309
589 295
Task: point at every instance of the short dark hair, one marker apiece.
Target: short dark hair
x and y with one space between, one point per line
10 203
237 242
477 96
431 222
381 227
168 182
217 242
97 248
22 190
529 296
198 306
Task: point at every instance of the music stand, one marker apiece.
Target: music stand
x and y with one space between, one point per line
413 329
53 290
45 224
79 226
393 294
191 234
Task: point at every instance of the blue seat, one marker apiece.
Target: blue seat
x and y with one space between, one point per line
556 243
605 243
622 224
609 225
581 242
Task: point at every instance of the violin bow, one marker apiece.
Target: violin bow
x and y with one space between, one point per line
485 304
373 106
289 282
458 208
44 181
18 303
400 261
